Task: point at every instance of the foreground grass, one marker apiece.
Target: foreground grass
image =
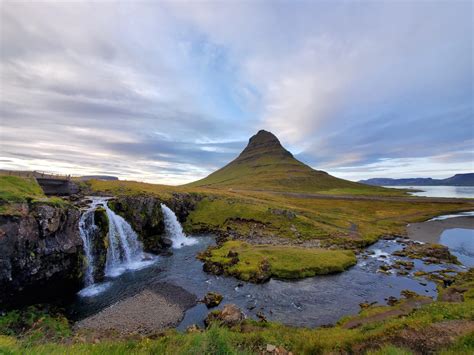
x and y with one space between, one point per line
438 327
260 262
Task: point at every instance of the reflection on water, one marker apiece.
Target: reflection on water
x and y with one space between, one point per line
440 191
461 243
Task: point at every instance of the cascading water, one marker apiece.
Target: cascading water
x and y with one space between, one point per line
124 252
174 230
88 230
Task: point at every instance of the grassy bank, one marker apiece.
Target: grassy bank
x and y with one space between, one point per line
332 221
18 190
260 262
437 327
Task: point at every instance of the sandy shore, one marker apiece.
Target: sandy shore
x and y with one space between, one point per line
152 310
430 232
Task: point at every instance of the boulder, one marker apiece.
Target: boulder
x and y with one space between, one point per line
212 299
229 316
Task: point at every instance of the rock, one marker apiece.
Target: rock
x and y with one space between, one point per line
280 212
144 214
391 301
263 274
408 265
166 242
229 316
262 317
232 254
193 328
270 348
366 305
212 299
385 268
211 267
453 294
429 253
409 294
39 250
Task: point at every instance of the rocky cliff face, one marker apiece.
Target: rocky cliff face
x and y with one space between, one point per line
40 254
146 218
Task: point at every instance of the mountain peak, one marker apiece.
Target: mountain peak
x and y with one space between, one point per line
263 143
265 164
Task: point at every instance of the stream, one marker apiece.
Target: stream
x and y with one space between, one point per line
309 302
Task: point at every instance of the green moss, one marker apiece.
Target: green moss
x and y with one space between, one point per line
258 262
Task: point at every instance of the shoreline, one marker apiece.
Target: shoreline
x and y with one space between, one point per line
154 309
430 231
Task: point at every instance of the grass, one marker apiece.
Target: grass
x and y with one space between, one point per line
19 189
132 188
256 262
332 221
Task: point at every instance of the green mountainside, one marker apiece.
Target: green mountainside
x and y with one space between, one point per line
266 165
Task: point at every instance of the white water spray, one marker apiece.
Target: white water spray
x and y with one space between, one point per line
125 252
88 231
174 230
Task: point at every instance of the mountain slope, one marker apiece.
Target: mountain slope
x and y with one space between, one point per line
456 180
265 165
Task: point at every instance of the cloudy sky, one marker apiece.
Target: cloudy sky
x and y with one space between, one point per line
167 92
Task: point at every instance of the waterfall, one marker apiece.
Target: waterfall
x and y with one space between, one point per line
124 251
174 230
87 231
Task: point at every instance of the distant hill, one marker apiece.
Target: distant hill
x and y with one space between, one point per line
98 177
265 165
456 180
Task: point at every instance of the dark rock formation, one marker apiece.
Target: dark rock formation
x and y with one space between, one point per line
212 299
429 253
100 243
146 218
40 254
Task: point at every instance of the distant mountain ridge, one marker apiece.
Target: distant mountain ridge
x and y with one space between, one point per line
456 180
266 165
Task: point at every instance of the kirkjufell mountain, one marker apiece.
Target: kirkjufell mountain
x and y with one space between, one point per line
265 164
